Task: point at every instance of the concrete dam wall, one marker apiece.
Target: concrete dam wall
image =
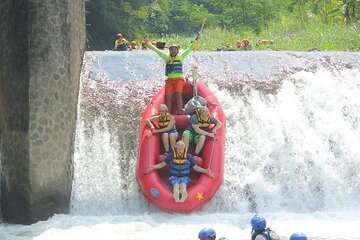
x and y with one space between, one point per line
40 62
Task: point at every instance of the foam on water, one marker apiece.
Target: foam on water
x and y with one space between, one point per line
291 153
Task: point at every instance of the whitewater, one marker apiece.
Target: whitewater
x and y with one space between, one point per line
292 150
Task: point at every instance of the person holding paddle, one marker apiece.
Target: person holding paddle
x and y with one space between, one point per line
174 71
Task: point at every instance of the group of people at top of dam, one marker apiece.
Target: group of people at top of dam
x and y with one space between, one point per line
259 231
177 156
121 44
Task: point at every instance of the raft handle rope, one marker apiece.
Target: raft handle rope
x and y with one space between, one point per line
212 151
149 150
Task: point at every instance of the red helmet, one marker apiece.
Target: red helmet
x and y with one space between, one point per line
119 35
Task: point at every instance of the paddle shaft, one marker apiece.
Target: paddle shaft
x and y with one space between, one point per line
202 26
149 152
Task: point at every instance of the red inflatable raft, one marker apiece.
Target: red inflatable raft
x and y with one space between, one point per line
155 185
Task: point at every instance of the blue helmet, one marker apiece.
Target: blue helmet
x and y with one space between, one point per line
207 232
298 236
258 223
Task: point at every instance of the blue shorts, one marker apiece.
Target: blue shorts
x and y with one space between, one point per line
173 180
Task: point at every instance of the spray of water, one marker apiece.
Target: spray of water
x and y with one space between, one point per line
292 134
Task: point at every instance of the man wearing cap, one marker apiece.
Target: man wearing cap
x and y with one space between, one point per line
174 71
198 128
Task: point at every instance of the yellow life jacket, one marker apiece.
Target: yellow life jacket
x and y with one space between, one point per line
179 159
164 120
203 124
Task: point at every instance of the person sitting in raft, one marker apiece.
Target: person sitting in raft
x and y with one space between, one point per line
167 128
259 230
120 43
180 162
198 128
174 83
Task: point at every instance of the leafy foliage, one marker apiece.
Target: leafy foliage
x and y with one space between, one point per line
243 18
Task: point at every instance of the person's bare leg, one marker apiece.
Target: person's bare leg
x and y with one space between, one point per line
200 144
168 98
176 190
185 138
183 192
173 137
179 101
165 139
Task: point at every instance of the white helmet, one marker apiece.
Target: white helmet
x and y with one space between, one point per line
162 108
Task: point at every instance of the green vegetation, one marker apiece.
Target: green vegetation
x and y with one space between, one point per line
301 25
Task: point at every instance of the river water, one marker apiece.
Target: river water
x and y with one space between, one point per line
292 150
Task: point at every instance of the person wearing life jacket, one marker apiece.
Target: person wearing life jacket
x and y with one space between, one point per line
243 45
167 127
180 162
144 45
198 128
208 234
133 46
174 71
120 43
298 236
264 42
238 44
259 230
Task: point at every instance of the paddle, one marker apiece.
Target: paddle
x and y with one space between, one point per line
196 101
199 34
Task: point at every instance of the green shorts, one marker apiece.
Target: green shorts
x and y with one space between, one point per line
193 137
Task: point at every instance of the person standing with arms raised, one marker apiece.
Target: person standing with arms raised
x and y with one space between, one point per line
174 71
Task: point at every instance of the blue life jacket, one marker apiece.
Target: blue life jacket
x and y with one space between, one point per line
173 66
122 47
179 166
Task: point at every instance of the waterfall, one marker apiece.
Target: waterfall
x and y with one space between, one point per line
292 134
